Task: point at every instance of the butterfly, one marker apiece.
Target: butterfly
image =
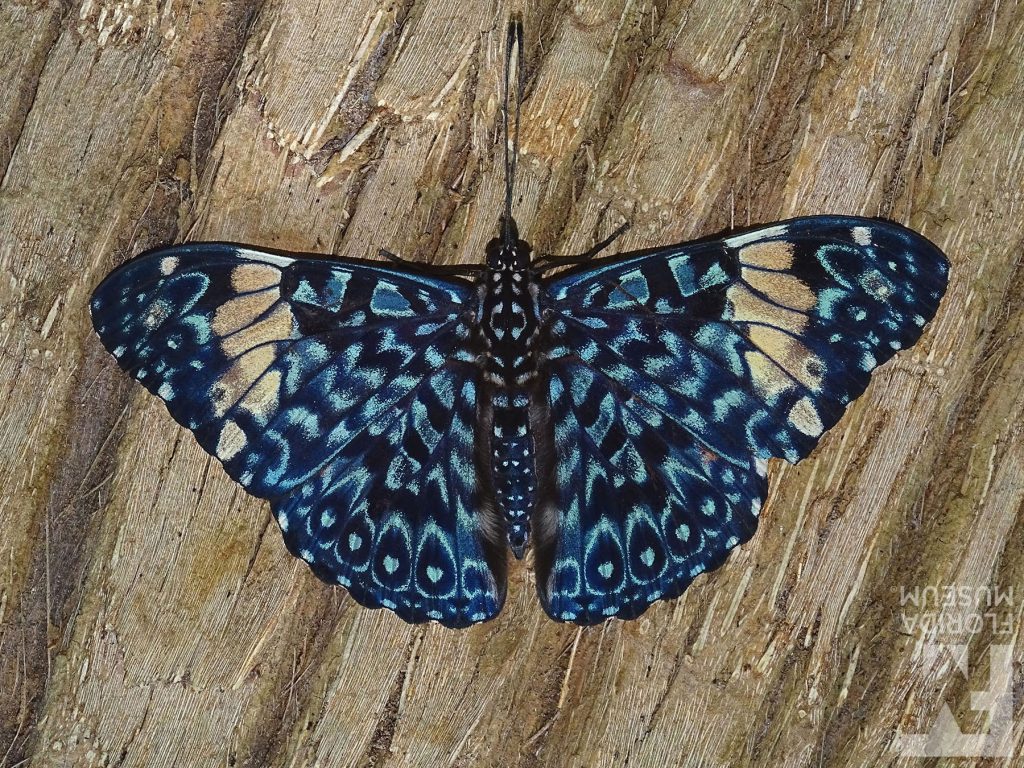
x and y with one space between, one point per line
410 425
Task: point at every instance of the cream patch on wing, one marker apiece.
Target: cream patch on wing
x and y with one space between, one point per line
738 241
241 376
805 417
782 288
156 314
262 400
768 378
745 306
264 257
246 278
876 284
231 440
774 254
799 362
276 326
861 235
241 311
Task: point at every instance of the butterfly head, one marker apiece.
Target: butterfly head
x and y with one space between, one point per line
507 251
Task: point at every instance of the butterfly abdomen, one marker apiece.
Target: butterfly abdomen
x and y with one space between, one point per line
512 466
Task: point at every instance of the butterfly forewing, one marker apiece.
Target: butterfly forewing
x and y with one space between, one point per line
671 375
345 392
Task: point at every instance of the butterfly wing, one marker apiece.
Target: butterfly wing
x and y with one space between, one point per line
671 377
341 390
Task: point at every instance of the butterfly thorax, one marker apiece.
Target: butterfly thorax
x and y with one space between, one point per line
509 314
509 319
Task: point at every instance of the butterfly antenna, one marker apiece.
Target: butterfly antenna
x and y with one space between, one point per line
513 59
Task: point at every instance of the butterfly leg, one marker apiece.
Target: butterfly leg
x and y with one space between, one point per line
441 270
547 260
385 253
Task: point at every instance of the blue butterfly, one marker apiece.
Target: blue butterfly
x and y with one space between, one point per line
410 426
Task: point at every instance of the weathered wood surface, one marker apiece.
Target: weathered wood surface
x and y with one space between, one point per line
149 614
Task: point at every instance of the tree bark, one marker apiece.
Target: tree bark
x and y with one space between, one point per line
149 613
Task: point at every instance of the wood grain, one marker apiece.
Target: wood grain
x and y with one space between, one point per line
149 614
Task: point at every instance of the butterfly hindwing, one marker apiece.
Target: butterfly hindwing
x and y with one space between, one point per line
673 374
637 505
343 391
399 519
